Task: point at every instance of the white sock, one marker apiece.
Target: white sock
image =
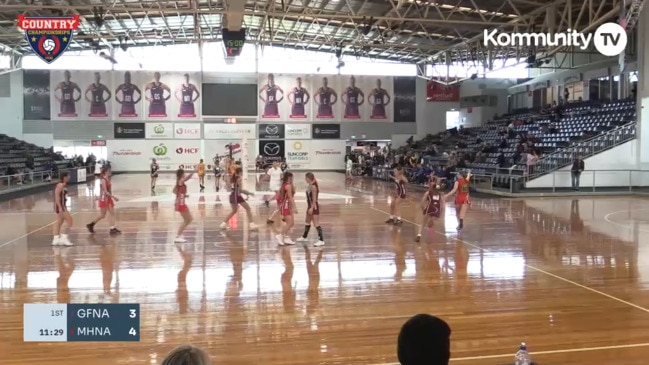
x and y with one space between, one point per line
57 237
391 217
398 218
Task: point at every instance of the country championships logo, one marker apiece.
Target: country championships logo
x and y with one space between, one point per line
48 37
159 129
160 150
271 149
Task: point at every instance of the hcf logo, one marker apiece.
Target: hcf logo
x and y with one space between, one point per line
160 150
609 39
182 150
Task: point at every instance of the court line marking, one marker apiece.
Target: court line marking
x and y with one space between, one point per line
607 218
549 352
31 232
533 268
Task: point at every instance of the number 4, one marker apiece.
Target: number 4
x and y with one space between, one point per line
133 313
132 332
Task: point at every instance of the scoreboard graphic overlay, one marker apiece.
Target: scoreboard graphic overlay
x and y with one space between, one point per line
81 322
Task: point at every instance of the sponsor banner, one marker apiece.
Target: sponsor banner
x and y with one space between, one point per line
81 95
298 154
159 131
327 154
271 131
98 143
326 131
127 155
187 131
229 131
405 95
169 95
442 93
222 148
366 98
36 95
129 131
272 150
297 131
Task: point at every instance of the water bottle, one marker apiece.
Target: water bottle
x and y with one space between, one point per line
522 357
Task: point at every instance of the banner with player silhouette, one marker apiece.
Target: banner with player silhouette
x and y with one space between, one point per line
317 98
171 96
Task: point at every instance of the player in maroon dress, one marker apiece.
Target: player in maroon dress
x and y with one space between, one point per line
325 97
353 98
106 203
187 94
97 94
68 98
313 210
378 98
61 210
432 205
298 97
157 97
269 95
236 200
130 96
180 205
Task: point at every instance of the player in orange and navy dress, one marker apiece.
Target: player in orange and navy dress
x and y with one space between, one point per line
180 190
61 210
313 210
432 205
201 175
236 199
462 201
287 209
398 195
106 202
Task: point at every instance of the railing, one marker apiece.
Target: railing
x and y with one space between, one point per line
27 180
564 156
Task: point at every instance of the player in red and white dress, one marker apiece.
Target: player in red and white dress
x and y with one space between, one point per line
462 201
432 205
61 210
106 202
236 199
313 210
287 209
398 195
180 205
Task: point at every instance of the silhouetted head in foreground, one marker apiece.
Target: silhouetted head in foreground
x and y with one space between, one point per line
424 340
187 355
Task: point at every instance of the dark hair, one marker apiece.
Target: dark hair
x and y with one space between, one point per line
424 340
179 173
310 176
186 355
103 171
63 175
238 171
201 160
286 177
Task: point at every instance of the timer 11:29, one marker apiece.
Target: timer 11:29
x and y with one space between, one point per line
55 332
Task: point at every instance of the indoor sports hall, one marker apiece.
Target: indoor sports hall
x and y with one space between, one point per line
323 182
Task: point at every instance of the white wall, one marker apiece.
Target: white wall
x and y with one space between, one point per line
40 139
12 107
618 161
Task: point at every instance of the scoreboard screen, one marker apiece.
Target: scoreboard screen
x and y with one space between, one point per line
233 41
81 322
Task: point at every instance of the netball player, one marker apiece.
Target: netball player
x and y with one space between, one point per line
106 202
187 94
236 199
432 205
68 99
262 185
269 95
325 98
275 184
398 196
379 98
128 99
313 210
201 175
218 172
180 190
97 94
287 209
157 97
352 98
462 202
298 97
154 173
61 210
348 169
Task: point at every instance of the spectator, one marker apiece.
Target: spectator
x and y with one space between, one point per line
576 170
501 159
424 340
532 158
187 355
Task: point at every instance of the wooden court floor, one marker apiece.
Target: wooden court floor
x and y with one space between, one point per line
569 277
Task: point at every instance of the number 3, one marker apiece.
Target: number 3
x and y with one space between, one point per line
132 332
133 313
